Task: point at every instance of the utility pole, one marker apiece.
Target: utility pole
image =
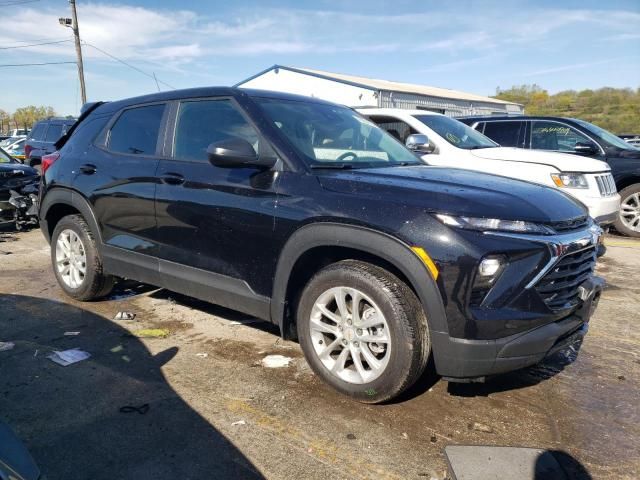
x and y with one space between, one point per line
73 24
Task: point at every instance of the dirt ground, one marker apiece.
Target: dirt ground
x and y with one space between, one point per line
290 424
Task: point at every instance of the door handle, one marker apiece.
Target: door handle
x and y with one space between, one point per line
88 169
173 179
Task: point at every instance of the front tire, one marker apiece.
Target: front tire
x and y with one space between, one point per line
76 261
628 221
363 331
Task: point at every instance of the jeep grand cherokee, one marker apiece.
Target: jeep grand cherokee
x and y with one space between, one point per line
305 214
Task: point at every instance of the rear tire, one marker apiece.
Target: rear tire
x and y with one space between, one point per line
373 352
76 261
628 221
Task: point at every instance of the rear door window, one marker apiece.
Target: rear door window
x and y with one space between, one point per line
555 136
37 133
136 130
54 132
506 134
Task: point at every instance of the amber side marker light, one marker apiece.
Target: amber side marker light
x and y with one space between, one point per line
426 259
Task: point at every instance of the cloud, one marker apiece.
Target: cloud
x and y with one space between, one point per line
172 39
577 66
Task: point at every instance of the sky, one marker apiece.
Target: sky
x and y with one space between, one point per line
473 46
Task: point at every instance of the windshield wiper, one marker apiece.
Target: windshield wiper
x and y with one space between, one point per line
342 166
478 147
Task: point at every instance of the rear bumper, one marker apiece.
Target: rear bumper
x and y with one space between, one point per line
462 359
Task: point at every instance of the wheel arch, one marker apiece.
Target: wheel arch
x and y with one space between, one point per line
316 245
60 202
627 182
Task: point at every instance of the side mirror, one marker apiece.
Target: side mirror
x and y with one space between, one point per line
585 147
236 152
419 143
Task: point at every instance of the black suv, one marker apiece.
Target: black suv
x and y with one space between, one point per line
570 135
42 138
305 214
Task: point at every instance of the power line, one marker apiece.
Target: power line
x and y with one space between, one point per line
33 64
129 65
39 39
20 2
35 44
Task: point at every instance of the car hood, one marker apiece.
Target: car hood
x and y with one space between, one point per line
457 192
17 168
564 162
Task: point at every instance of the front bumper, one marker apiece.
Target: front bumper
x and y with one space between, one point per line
462 359
604 210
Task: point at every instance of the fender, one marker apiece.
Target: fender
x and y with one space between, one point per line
66 196
382 245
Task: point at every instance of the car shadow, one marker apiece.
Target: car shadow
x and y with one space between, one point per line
70 417
523 378
573 469
217 310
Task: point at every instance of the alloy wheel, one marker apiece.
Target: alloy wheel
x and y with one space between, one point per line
350 335
630 212
71 258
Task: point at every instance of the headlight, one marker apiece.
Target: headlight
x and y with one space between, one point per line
495 224
570 180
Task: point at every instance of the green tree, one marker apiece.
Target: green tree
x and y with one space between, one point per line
25 117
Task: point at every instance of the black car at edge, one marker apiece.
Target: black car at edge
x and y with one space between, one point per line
570 135
303 213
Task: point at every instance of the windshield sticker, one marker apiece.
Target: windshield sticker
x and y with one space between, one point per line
452 138
557 130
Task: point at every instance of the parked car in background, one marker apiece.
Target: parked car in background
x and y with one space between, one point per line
631 139
19 132
16 149
13 176
448 142
7 142
43 136
582 139
303 213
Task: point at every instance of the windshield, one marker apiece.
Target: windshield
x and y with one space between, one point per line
332 136
456 133
605 135
4 158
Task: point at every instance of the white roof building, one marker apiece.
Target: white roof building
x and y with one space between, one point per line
369 92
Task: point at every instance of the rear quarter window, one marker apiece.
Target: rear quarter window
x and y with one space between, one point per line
38 132
54 132
136 130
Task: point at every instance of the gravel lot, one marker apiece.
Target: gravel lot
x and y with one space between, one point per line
291 424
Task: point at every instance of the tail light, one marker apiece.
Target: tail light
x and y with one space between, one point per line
27 151
49 160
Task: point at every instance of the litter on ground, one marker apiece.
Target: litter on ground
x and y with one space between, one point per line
276 361
239 422
202 355
6 346
71 334
68 357
124 316
151 333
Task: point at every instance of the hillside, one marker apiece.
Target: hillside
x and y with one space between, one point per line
614 109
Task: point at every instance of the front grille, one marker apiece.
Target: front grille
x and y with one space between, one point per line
606 184
559 287
568 225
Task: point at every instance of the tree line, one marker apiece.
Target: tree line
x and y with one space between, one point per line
614 109
24 117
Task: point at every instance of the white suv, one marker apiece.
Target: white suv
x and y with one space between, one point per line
445 141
